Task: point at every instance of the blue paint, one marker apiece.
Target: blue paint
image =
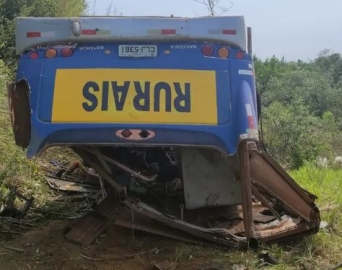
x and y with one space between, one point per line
233 92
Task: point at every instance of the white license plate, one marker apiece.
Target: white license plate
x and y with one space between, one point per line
137 50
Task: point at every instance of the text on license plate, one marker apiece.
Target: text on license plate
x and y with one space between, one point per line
137 50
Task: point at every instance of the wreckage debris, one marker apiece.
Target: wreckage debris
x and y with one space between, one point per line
266 259
88 228
75 178
149 183
248 200
8 208
71 186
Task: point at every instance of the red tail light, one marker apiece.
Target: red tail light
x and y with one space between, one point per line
239 55
168 31
207 50
33 34
67 52
34 55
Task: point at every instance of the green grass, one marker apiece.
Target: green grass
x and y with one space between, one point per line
320 251
28 175
15 168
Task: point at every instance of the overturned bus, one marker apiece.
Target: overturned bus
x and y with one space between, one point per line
165 110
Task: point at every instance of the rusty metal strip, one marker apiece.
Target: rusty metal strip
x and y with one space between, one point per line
246 192
119 165
265 202
212 235
270 176
67 185
146 224
290 181
87 157
303 229
20 112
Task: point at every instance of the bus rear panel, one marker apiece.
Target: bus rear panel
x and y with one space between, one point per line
181 89
161 108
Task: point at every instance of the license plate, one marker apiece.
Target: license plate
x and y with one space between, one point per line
137 50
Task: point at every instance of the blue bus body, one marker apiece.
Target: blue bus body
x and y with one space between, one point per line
232 95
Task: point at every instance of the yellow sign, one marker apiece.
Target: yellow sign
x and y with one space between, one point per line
135 96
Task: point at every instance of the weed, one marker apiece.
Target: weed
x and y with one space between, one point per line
15 168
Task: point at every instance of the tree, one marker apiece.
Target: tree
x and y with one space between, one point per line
10 9
292 134
302 107
267 70
214 8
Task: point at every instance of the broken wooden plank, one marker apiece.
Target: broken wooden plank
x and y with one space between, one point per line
72 186
88 228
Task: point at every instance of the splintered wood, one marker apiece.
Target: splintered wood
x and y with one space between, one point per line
88 228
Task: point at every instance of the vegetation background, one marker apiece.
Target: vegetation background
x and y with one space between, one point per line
301 119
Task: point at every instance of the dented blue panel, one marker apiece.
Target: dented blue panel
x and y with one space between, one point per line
184 97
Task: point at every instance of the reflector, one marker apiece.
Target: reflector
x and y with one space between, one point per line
33 34
34 55
239 55
223 52
66 52
168 31
207 50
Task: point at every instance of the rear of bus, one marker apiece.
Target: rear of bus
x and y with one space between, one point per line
154 81
163 102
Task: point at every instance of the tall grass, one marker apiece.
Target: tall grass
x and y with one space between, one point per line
15 168
320 251
324 249
326 183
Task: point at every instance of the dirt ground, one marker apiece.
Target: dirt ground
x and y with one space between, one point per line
119 248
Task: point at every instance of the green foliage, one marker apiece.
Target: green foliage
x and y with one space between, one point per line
301 107
287 130
267 70
10 9
15 169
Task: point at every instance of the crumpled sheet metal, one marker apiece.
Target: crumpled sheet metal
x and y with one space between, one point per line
20 112
293 214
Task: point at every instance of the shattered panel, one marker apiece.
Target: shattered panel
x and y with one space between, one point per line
208 180
271 177
20 112
270 206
